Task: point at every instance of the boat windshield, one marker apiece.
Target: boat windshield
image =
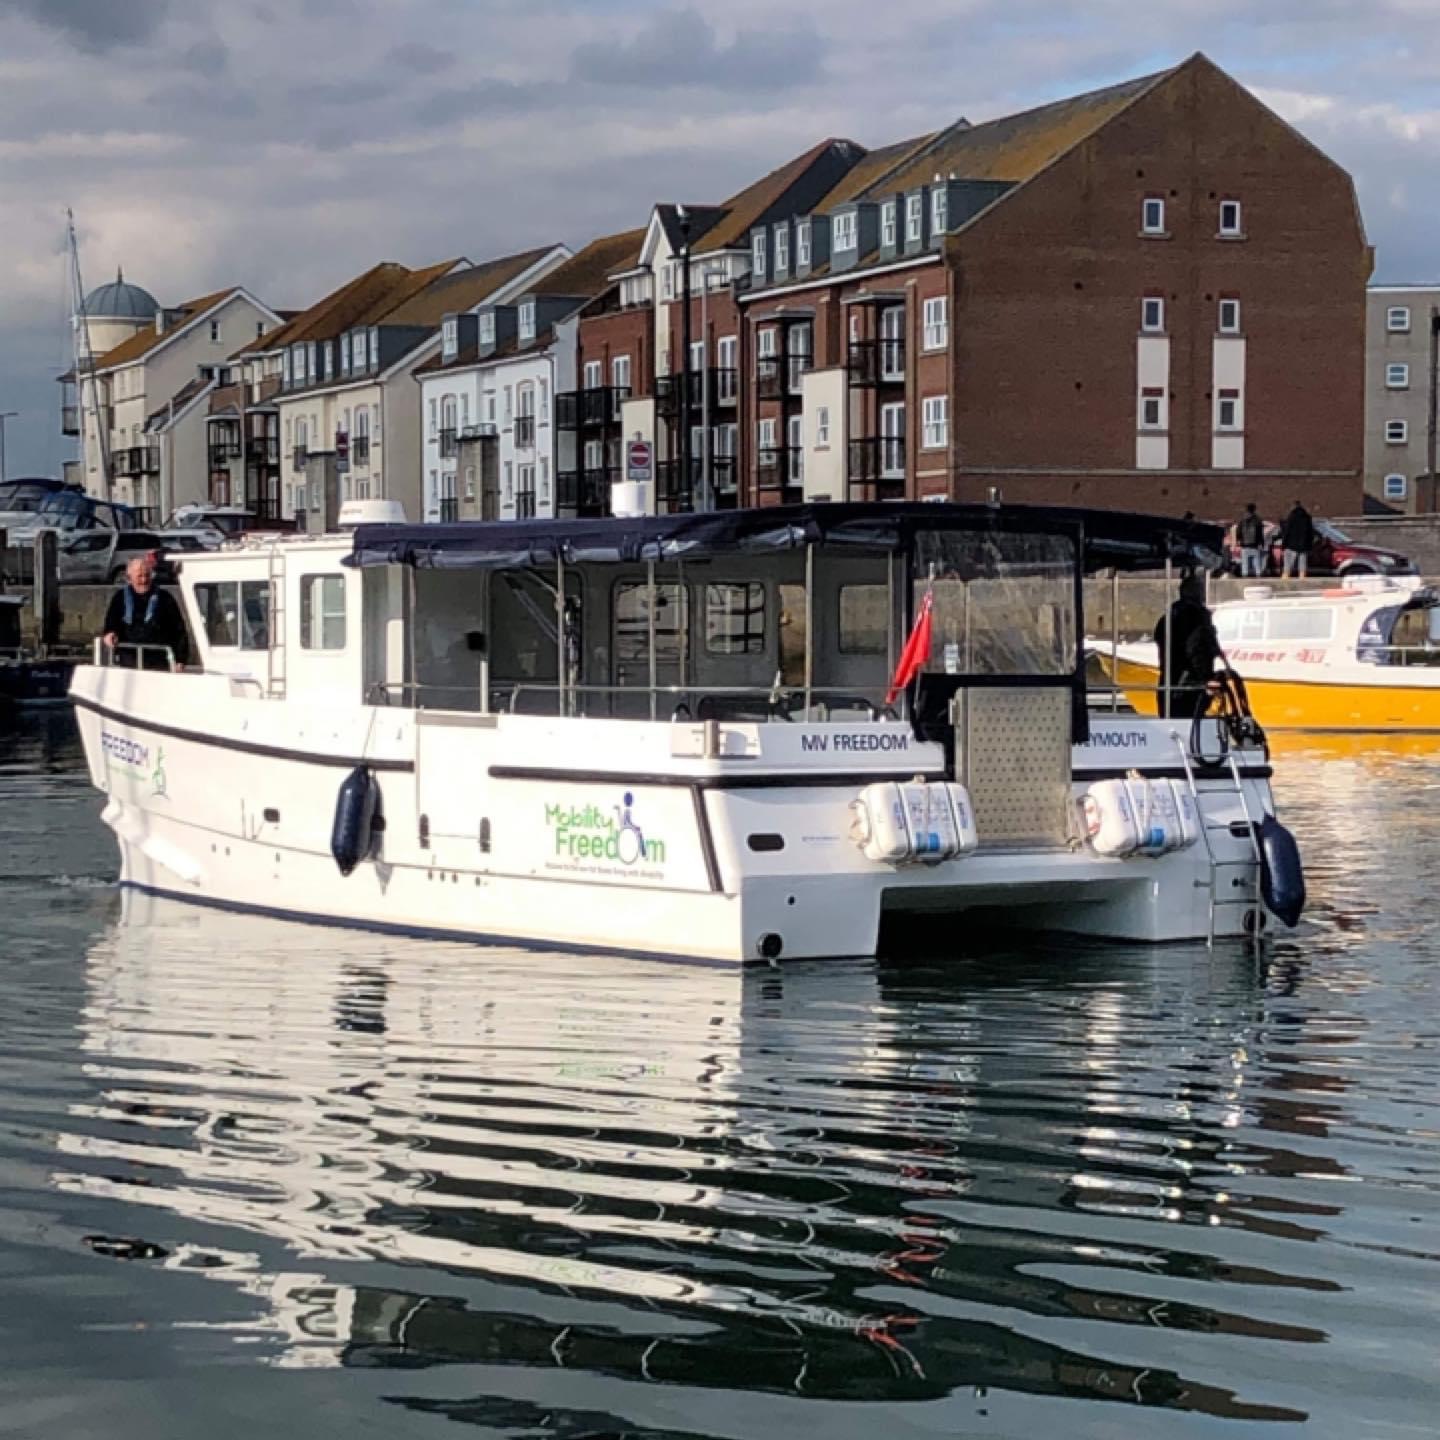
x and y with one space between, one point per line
21 497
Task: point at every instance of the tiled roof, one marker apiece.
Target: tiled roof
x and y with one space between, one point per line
875 164
468 355
445 294
749 207
340 310
146 340
586 272
1014 147
703 218
178 402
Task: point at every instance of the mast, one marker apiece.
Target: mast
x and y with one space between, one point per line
85 361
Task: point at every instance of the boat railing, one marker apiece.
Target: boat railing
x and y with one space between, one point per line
1401 655
125 656
737 703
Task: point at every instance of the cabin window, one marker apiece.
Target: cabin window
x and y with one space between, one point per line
235 614
1239 625
322 612
1311 623
864 619
632 622
735 618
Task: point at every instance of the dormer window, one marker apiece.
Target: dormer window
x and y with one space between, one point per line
757 256
782 249
842 235
802 242
939 210
527 320
914 218
344 354
374 347
887 224
487 328
451 340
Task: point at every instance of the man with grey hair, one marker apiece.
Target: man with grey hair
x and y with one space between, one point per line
143 615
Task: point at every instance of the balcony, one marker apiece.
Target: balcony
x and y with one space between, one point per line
779 375
263 450
584 409
448 443
876 362
585 493
724 482
223 449
525 434
69 419
778 471
673 492
137 460
877 467
723 385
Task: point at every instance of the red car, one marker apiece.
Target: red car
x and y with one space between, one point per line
1333 553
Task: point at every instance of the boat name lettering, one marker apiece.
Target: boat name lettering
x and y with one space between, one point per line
596 832
125 751
864 740
1120 739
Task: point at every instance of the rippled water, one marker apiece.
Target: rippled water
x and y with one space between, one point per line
269 1179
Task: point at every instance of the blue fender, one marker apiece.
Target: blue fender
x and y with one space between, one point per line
1282 876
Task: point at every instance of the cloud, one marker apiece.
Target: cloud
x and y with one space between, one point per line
422 59
95 25
680 48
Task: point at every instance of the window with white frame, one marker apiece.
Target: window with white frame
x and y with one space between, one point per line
937 325
795 443
344 354
1152 315
1397 377
1396 487
1229 317
374 347
782 249
509 481
1227 410
842 233
544 399
1397 432
487 328
765 434
1230 226
697 356
914 217
766 342
434 417
594 374
667 282
1397 319
822 426
620 372
469 482
727 382
1152 215
887 224
527 320
939 210
286 369
757 256
935 422
450 341
214 332
1152 408
802 242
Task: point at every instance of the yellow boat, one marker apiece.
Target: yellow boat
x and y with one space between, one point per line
1362 657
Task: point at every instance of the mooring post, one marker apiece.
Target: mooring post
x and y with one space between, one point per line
47 589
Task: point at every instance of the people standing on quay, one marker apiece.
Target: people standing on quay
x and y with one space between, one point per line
1297 537
141 614
1250 536
1189 651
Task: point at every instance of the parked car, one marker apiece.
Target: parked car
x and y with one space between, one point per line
1333 553
99 557
214 524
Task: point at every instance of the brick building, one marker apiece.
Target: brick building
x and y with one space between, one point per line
1151 296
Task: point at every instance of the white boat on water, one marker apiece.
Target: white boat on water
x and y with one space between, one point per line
669 735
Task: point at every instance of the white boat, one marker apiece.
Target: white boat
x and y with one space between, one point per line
669 736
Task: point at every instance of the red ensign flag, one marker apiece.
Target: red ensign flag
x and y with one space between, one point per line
916 651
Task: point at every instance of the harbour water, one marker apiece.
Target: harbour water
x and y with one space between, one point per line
265 1179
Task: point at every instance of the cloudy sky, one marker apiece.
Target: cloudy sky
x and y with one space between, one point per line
286 144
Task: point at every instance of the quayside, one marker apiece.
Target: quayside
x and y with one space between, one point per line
676 736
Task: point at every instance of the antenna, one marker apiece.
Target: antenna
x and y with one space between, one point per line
85 360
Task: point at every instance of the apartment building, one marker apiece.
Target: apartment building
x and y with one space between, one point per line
638 329
1150 296
1399 320
509 433
349 408
149 390
243 432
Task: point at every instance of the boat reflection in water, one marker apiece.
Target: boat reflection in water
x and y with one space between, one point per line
839 1181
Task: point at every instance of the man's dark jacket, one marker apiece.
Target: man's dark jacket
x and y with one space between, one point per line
152 619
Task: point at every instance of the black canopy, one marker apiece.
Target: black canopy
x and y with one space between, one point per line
1111 539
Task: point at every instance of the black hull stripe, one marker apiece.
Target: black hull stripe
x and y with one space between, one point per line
803 781
244 747
1176 772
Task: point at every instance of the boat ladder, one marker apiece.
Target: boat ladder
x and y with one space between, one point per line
275 663
1237 786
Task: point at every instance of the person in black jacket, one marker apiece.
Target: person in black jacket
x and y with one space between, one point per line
1250 537
140 613
1297 537
1189 651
